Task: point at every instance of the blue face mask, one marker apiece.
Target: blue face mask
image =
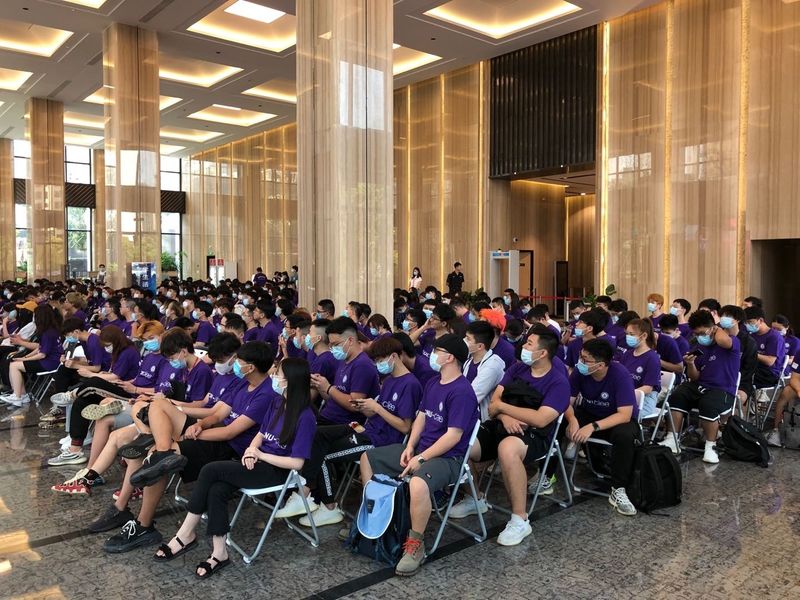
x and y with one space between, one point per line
751 328
338 352
196 315
674 311
705 340
151 345
726 322
276 386
428 313
308 343
285 334
237 369
296 343
507 300
385 367
632 341
71 339
651 307
278 312
614 319
177 363
373 332
526 356
434 362
578 332
406 326
344 313
582 367
220 328
471 318
319 315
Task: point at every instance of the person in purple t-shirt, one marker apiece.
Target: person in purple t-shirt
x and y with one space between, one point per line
419 367
223 434
205 331
642 361
713 368
518 434
436 446
591 325
607 410
320 359
770 346
356 376
655 305
94 358
389 417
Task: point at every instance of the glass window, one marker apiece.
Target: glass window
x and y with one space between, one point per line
128 222
22 148
79 241
78 154
22 249
171 164
78 173
77 164
170 181
171 242
21 166
21 216
170 222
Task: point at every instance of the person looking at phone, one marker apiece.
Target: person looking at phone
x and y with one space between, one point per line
712 366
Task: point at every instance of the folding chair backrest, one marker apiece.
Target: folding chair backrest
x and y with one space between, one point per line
464 462
667 381
639 403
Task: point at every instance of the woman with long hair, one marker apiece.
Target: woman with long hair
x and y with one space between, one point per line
282 444
416 279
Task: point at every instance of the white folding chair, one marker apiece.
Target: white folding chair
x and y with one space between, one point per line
464 476
599 442
553 450
761 415
39 384
293 481
667 385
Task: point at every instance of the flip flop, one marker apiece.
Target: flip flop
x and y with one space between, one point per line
169 554
209 569
95 412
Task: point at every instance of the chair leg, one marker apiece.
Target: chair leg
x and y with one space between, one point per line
478 537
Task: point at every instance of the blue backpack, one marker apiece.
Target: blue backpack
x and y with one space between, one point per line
383 520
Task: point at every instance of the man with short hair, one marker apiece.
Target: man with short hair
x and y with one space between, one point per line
455 280
752 301
326 309
770 346
484 369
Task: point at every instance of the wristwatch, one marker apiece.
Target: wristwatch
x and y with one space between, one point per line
595 426
421 459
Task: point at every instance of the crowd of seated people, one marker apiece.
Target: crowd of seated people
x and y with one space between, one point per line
235 385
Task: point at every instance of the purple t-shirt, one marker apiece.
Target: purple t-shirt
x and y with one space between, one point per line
400 396
251 334
49 346
149 368
452 405
668 350
617 332
472 371
95 353
359 376
656 321
422 371
602 398
505 350
219 386
685 330
325 364
252 404
300 445
645 369
293 351
575 346
791 345
426 343
198 382
719 367
553 385
205 331
126 367
683 345
771 344
166 375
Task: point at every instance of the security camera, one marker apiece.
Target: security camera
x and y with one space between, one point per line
515 239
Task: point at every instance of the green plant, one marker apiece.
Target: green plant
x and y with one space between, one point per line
168 262
469 297
591 299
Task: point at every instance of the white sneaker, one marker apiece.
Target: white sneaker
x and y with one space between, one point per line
323 516
545 489
516 530
669 442
572 449
68 458
774 438
619 500
294 506
62 399
17 401
710 455
468 507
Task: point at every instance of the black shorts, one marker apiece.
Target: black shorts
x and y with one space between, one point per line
437 472
711 402
764 378
187 423
34 367
202 452
492 432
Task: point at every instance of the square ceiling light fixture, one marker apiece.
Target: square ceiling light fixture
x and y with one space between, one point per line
13 80
250 24
231 115
281 90
88 3
28 38
167 149
73 119
99 97
500 18
81 139
194 72
405 59
189 135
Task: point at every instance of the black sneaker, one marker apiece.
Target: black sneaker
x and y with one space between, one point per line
156 466
111 519
137 448
132 536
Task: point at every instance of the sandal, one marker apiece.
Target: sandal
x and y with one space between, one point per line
209 570
137 448
168 554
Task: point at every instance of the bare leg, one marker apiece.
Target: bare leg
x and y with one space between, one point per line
102 431
127 489
420 504
16 377
166 424
710 428
150 499
511 453
366 468
108 455
186 533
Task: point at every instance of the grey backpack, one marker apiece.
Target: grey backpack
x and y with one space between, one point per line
790 428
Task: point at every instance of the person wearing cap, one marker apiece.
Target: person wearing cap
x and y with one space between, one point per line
437 444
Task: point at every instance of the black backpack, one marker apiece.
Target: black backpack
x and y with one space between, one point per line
392 521
743 441
656 481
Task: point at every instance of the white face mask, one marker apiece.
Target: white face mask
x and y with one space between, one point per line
109 348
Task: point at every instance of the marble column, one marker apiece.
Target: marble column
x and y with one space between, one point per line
99 254
132 180
345 153
44 189
7 228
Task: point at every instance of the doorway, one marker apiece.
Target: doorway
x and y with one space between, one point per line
773 277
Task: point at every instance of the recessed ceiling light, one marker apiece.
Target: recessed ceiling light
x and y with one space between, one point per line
406 59
231 115
281 90
11 79
89 3
81 139
189 135
98 97
82 120
504 19
167 149
194 72
256 12
38 40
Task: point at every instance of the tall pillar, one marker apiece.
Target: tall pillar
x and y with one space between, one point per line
133 196
7 226
345 153
44 190
99 226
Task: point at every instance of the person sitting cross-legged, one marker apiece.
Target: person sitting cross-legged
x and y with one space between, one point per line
436 446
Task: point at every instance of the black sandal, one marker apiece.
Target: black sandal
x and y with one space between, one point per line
169 554
221 564
137 448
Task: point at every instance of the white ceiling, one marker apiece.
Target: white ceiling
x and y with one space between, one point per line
75 69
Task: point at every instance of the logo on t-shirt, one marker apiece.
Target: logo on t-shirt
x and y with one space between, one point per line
604 395
639 369
763 346
153 369
344 379
171 376
394 397
441 406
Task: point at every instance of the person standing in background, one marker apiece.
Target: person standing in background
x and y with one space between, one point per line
455 281
416 279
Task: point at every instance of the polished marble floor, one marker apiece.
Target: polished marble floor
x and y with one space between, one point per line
736 535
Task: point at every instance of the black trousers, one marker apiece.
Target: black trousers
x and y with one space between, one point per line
63 379
4 363
91 391
219 481
332 444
